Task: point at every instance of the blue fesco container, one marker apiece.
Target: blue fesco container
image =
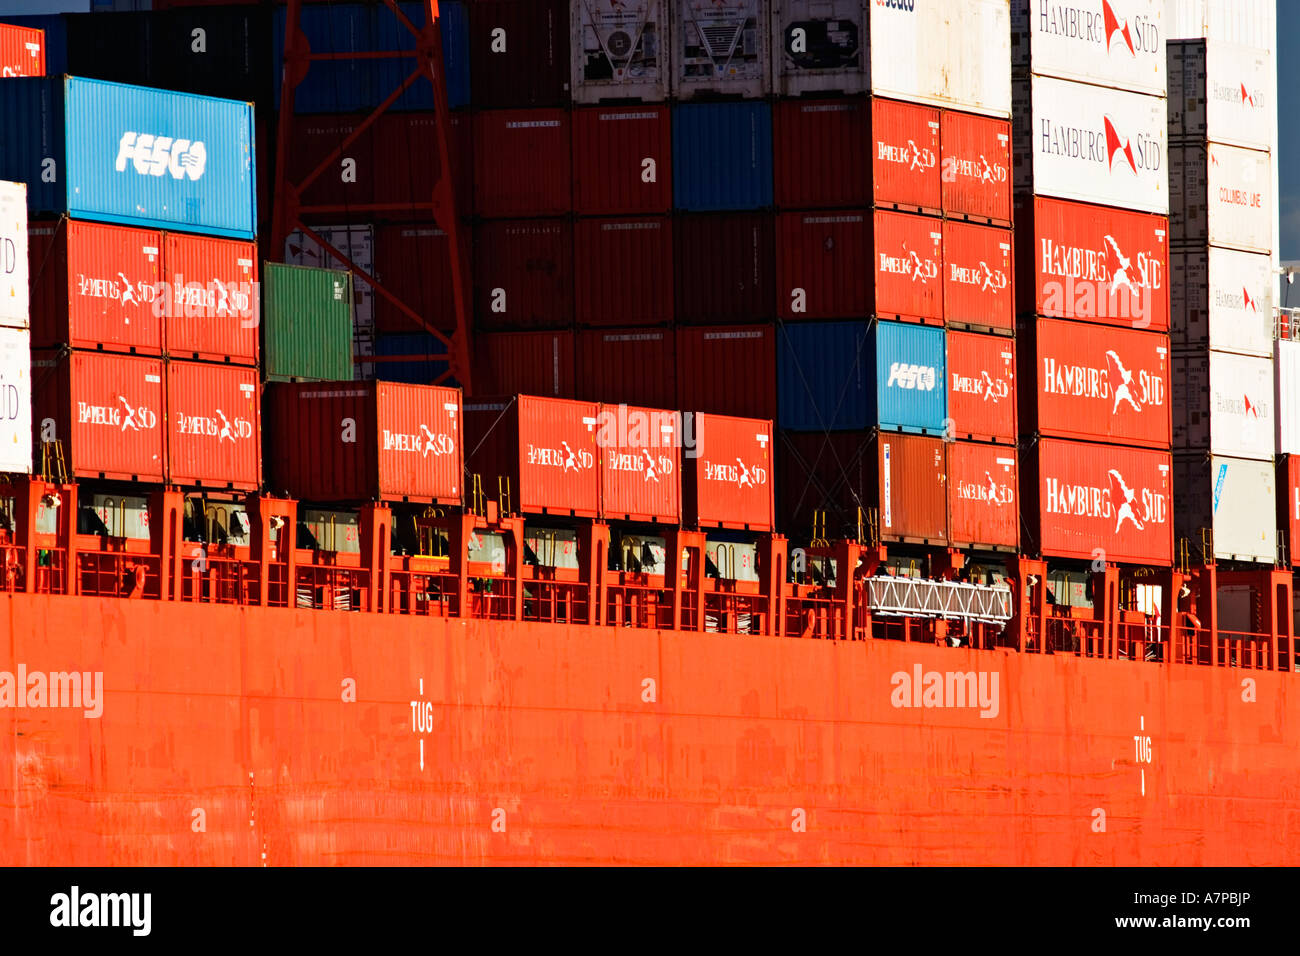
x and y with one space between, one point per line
910 392
722 156
824 376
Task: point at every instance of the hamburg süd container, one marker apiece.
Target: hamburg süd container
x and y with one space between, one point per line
978 290
818 148
909 487
825 376
911 392
1221 93
22 51
1078 261
307 323
1221 195
214 420
636 366
522 163
819 46
640 464
529 363
909 272
365 441
413 261
623 271
1107 502
131 155
982 387
822 472
212 298
823 264
724 268
622 158
1115 43
619 51
727 480
1224 405
720 48
96 286
727 370
1090 144
15 299
1222 301
975 161
722 156
523 274
1096 383
1234 499
519 53
1286 379
107 411
983 500
905 148
15 401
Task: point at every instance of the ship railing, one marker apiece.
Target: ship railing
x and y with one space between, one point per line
815 616
1243 649
636 602
118 574
427 593
730 612
332 588
556 602
492 598
1063 634
219 579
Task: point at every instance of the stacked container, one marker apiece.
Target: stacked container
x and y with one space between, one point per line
22 51
1092 199
15 337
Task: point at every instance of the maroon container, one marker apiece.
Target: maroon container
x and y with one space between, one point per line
983 497
532 363
822 472
724 268
728 476
908 265
522 163
728 370
622 160
634 366
315 137
640 464
519 52
214 423
978 288
982 386
623 271
976 166
818 150
905 156
910 488
523 274
823 264
413 261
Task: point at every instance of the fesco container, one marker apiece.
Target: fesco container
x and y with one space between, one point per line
307 323
908 486
1234 499
131 155
15 299
722 156
523 274
905 169
22 51
15 401
524 363
825 376
623 271
724 268
983 497
522 163
626 365
818 147
824 264
728 370
519 53
640 464
107 411
365 441
981 384
976 158
622 160
727 481
978 289
214 423
911 392
211 298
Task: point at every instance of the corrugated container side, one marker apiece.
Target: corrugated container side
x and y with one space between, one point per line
413 261
453 26
820 472
1286 380
1222 301
413 358
357 244
15 300
557 459
724 268
214 309
523 274
419 443
819 46
818 146
22 51
620 51
1116 44
908 265
1221 93
727 370
333 86
1235 500
635 366
622 159
911 488
1221 195
728 480
1225 406
623 271
910 392
214 419
55 48
640 464
307 323
975 161
721 48
824 376
982 386
905 169
530 363
983 500
823 264
722 156
522 163
519 53
1288 487
978 285
15 401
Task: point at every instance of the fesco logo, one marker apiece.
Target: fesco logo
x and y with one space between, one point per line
919 377
906 5
153 155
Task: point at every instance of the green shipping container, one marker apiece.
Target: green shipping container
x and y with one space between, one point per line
307 324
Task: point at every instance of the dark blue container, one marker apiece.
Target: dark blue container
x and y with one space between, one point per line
419 369
824 376
910 392
722 156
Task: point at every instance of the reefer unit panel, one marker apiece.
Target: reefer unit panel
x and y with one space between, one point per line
1118 43
975 164
619 50
905 171
22 51
722 156
824 376
819 145
977 276
523 274
727 480
640 464
622 160
908 264
522 163
214 422
1225 406
623 271
1286 377
307 323
819 45
519 53
1235 500
724 268
1222 301
15 300
910 486
213 305
1221 195
729 370
529 363
1222 93
633 366
981 384
823 264
983 501
720 48
911 391
15 401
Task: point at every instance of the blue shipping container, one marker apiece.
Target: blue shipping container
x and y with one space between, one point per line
130 154
420 369
722 156
911 369
824 376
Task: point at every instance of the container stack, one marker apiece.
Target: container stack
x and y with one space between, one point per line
1092 193
15 335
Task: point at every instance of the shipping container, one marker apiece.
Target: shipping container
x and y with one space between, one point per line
727 370
96 286
908 264
623 271
211 299
640 464
357 244
618 52
720 48
910 489
214 420
106 411
315 137
1076 261
622 158
1230 502
954 54
975 164
722 156
144 157
1116 43
636 366
412 358
822 482
1222 301
1222 93
216 52
1286 393
727 473
1288 494
413 262
522 163
825 376
1223 404
1099 502
1090 144
983 500
391 34
365 441
523 274
911 376
978 290
22 51
823 264
15 401
905 172
1221 195
529 363
981 387
307 323
818 147
1096 383
724 268
819 46
15 300
519 53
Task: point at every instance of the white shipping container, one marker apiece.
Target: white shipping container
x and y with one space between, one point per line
618 50
1223 301
1224 405
1287 377
721 47
1117 43
1091 144
358 244
14 303
1221 93
15 401
1233 499
819 46
1221 196
950 53
1244 22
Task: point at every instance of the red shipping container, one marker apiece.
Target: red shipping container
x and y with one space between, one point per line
529 363
983 500
1097 383
910 488
365 441
728 472
817 160
22 51
909 268
727 370
623 271
823 262
214 415
315 139
414 263
523 274
633 366
1288 485
1102 501
106 409
215 299
522 163
94 286
640 464
622 160
977 286
822 472
982 386
724 268
976 167
1080 261
905 156
519 52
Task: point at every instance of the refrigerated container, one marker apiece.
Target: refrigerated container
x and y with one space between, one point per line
626 365
1286 377
307 323
623 271
1221 195
619 51
1223 300
1288 499
522 163
819 46
975 166
15 401
214 422
724 268
529 363
1115 43
823 264
1224 404
728 370
908 265
211 299
978 290
727 472
15 299
722 156
720 48
640 464
908 487
1230 502
818 148
905 153
519 53
825 376
983 497
981 383
1222 93
523 274
622 160
22 51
